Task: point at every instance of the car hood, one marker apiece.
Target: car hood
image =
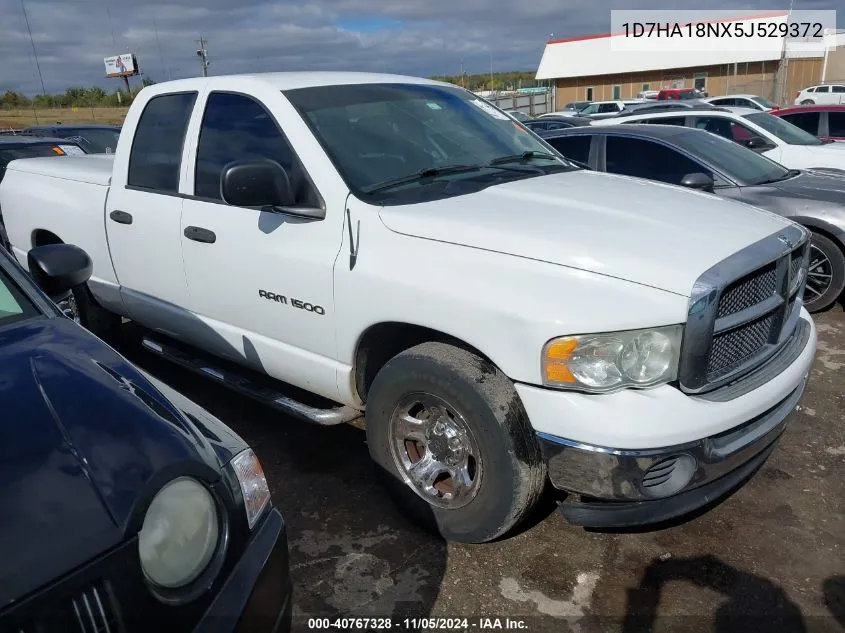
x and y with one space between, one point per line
81 435
640 231
826 185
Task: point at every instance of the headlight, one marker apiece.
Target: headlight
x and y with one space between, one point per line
599 363
253 484
180 533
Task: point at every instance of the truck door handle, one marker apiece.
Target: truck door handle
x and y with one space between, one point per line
199 234
121 217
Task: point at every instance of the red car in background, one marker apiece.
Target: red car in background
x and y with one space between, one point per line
827 122
672 94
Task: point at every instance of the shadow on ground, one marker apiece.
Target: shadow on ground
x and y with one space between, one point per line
751 602
351 551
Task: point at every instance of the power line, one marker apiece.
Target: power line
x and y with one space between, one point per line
34 52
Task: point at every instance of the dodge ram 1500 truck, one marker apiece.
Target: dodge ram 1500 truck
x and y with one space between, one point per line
345 245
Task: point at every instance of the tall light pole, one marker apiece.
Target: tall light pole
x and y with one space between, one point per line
202 53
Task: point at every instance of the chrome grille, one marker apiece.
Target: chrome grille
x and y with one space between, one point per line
736 346
748 291
742 311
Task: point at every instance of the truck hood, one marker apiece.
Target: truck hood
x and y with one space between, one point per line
640 231
81 435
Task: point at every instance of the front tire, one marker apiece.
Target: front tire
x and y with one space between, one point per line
826 274
808 102
450 436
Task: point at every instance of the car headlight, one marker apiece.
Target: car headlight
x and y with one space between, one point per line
598 363
253 484
180 533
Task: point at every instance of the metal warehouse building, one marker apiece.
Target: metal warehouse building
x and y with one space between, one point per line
611 66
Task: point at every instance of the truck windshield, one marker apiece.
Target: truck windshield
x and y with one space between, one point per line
395 140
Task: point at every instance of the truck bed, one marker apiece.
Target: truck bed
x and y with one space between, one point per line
95 169
63 196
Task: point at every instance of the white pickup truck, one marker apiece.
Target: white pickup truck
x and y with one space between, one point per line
346 245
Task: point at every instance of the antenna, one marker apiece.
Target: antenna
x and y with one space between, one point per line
34 52
202 53
158 43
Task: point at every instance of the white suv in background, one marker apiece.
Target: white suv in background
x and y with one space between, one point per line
600 109
765 133
831 94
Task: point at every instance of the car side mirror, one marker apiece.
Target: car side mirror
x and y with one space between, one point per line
58 268
698 180
757 143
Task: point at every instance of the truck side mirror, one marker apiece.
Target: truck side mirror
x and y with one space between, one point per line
698 180
256 183
57 268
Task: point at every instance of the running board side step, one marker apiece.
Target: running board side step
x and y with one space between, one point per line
252 389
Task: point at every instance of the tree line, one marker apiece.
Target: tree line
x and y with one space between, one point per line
510 80
97 97
74 97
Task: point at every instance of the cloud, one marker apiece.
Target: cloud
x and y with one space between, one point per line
402 36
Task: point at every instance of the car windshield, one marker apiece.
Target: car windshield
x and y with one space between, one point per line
785 131
763 102
14 306
94 140
399 140
687 94
738 163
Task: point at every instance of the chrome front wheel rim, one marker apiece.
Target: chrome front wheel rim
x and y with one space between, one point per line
435 451
819 275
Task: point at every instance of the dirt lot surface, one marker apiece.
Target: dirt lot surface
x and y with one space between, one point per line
770 558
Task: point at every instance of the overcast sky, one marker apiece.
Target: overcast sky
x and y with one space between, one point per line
415 37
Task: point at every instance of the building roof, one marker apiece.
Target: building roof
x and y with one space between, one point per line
613 53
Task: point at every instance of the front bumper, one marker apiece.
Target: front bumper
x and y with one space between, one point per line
638 486
257 595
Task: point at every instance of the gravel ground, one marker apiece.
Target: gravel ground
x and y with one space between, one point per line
769 558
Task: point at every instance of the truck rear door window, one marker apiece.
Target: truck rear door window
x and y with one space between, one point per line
156 154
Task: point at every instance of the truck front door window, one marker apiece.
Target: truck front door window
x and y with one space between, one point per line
576 148
236 127
156 154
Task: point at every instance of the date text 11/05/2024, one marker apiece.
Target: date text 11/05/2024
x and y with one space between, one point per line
418 624
724 29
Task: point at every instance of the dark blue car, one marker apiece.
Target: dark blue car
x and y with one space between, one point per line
123 506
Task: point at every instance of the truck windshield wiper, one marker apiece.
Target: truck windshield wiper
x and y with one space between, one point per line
433 172
524 156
